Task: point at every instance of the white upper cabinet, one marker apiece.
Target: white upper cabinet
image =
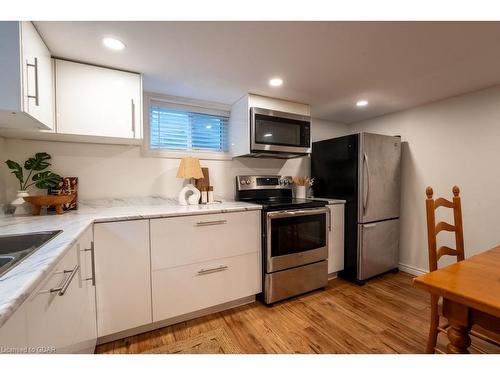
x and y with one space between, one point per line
26 78
96 101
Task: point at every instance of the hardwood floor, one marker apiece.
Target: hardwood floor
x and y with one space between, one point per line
387 315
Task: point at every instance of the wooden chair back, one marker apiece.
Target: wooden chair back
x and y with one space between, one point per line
435 253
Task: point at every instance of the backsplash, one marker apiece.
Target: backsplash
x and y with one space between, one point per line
117 171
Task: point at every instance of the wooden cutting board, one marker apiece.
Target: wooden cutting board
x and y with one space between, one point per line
203 182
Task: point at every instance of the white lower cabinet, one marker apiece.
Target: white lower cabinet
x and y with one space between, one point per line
336 238
123 275
14 333
135 273
203 261
61 311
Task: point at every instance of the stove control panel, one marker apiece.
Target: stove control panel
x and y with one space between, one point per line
263 182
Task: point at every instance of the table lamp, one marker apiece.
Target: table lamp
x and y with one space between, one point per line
189 168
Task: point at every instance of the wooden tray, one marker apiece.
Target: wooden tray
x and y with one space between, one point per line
37 201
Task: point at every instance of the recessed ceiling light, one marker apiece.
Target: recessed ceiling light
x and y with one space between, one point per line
208 126
361 103
113 43
275 82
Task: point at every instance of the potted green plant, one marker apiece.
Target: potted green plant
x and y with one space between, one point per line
37 175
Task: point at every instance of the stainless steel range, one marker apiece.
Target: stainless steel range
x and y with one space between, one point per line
294 236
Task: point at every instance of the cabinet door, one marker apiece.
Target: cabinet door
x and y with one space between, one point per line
53 318
13 333
336 238
123 275
97 101
38 93
87 329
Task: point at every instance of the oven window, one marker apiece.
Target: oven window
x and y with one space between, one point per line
280 131
291 235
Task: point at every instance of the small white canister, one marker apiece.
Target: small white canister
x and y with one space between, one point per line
204 195
300 191
210 194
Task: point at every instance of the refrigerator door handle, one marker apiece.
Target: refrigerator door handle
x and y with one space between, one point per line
367 195
369 225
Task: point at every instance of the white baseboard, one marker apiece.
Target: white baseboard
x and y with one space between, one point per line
411 270
332 275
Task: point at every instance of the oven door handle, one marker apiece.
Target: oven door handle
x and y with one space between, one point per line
291 213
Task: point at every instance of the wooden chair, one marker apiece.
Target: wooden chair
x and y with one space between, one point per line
435 253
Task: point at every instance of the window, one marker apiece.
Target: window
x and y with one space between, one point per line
181 127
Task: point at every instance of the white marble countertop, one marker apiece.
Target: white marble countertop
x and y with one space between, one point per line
17 284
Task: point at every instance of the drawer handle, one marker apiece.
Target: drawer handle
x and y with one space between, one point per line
62 289
214 222
92 257
212 270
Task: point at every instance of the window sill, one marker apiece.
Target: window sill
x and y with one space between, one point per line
202 155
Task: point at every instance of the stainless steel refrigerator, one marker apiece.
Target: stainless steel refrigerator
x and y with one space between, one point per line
365 170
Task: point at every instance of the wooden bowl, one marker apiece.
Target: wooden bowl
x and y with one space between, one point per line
37 201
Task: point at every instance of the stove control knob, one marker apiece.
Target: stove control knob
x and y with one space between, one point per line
243 182
248 182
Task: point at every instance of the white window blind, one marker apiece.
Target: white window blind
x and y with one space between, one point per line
179 127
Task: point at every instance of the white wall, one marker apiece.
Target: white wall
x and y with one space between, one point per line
121 171
454 141
3 188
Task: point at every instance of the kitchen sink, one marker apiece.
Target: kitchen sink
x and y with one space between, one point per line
15 248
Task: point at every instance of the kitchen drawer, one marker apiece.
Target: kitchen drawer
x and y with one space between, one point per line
192 239
186 289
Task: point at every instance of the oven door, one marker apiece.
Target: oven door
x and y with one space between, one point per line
279 131
295 238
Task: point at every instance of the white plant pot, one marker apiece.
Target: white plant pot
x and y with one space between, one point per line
21 206
300 192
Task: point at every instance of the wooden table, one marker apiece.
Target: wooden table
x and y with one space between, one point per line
471 295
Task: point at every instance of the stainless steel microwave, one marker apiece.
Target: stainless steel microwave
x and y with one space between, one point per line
279 133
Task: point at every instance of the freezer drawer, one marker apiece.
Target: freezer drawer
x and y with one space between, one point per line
378 248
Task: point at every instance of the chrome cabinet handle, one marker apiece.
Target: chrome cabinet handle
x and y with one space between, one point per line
212 270
365 164
214 222
133 116
62 289
92 257
34 65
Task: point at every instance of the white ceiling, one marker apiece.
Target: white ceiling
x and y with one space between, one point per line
330 65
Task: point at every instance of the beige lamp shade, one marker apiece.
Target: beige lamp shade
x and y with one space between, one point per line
189 168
